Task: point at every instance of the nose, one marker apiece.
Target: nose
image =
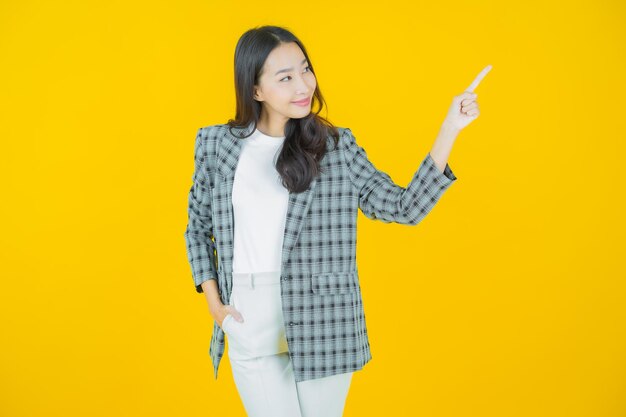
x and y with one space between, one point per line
302 88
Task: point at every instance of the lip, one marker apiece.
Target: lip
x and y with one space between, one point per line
303 102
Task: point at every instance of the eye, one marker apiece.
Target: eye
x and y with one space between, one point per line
306 68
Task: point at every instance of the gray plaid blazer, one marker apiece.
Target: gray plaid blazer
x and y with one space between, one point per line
321 296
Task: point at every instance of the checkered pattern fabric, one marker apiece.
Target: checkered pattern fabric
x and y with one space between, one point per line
321 295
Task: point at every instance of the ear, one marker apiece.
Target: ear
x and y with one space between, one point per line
257 95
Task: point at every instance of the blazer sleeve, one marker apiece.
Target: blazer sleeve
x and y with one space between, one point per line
199 231
381 199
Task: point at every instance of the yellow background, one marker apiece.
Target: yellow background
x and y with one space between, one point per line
507 300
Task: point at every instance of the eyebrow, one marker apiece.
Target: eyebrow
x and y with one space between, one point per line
289 69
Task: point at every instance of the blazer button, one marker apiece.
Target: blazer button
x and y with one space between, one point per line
291 323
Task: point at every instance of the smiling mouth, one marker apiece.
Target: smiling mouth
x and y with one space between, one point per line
304 101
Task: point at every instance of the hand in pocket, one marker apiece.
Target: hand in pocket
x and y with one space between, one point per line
230 310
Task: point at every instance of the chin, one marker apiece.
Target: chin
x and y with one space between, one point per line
300 114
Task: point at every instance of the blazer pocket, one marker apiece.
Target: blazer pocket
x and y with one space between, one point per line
334 282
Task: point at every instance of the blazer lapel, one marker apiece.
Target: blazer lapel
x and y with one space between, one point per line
228 154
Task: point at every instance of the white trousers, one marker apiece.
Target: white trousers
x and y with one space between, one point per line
260 361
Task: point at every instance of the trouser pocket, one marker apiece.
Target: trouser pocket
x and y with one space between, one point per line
263 331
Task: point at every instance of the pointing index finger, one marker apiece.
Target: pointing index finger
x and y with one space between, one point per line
478 79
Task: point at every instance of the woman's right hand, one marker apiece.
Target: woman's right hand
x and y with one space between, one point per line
217 309
223 310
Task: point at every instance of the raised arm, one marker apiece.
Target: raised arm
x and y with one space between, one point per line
382 199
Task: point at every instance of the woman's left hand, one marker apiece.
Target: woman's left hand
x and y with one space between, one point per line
464 108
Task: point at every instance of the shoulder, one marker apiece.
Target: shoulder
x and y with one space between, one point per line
342 131
213 132
340 138
345 135
211 135
347 140
207 140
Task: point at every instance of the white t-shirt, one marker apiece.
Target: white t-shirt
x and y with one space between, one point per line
260 204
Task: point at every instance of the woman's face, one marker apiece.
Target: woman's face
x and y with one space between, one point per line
285 78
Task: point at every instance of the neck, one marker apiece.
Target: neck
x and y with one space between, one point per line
272 127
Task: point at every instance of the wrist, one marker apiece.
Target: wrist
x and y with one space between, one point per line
449 132
215 305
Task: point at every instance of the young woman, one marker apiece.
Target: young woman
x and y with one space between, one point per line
271 236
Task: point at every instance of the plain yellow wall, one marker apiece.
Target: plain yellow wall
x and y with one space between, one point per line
507 300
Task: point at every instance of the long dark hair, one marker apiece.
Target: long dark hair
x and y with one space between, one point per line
306 138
